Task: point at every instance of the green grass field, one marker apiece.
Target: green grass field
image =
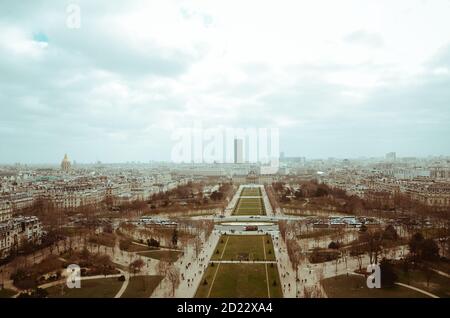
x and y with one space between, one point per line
240 281
91 288
141 286
244 247
354 286
251 192
246 279
250 206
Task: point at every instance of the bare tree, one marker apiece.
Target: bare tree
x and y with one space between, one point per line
136 266
374 246
162 268
295 255
197 245
358 252
173 275
282 225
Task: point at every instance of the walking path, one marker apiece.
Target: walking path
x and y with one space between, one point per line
231 205
266 201
191 267
124 285
284 267
440 273
418 290
63 281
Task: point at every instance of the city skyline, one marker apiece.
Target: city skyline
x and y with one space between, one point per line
74 161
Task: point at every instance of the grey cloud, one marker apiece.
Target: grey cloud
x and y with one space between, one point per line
45 111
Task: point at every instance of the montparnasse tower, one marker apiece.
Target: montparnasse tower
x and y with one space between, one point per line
65 164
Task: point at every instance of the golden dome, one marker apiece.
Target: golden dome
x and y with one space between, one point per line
65 164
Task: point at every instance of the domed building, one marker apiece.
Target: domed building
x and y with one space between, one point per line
252 177
65 164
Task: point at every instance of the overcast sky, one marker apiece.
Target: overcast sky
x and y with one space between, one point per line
338 78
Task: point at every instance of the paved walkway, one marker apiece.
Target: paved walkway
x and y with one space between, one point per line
63 281
231 205
418 290
267 205
124 285
287 275
192 267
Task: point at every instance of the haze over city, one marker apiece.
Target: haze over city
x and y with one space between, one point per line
338 78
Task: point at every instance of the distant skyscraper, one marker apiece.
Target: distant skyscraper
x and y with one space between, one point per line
65 164
391 156
238 151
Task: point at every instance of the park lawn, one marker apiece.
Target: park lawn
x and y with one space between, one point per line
249 206
141 286
219 247
250 201
203 288
354 286
274 281
7 293
438 285
244 247
237 281
250 192
90 288
164 255
254 211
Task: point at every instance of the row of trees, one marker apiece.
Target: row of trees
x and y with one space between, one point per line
338 198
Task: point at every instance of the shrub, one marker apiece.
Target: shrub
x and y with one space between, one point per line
153 243
390 233
334 245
